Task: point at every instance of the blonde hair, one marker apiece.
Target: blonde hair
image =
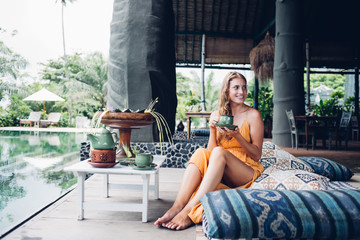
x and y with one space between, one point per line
224 100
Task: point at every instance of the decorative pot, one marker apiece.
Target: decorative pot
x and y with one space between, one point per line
103 156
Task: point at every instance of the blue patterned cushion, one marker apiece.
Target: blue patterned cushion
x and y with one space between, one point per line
250 213
328 168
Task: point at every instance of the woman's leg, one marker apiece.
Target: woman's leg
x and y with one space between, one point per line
222 164
190 182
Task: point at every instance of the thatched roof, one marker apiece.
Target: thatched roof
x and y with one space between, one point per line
234 27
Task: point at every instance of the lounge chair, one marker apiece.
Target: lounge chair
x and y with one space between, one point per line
33 120
82 122
53 119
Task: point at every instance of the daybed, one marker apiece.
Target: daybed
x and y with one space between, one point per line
295 198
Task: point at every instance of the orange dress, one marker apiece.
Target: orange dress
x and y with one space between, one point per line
201 159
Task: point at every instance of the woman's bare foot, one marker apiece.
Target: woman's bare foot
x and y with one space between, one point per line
173 211
181 220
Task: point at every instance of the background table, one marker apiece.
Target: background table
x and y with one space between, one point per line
330 124
189 115
82 168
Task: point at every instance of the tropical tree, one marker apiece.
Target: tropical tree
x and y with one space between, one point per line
17 109
211 90
329 107
265 104
185 95
211 93
85 88
11 64
334 81
189 94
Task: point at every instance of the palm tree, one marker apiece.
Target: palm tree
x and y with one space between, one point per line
63 4
211 90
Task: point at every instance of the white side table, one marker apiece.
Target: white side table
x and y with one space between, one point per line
82 168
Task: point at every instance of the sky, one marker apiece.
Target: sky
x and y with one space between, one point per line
38 22
87 29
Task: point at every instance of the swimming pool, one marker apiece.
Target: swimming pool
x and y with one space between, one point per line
31 172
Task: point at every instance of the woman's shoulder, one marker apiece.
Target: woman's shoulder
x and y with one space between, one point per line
252 113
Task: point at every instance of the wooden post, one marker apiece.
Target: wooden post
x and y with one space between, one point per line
307 77
356 92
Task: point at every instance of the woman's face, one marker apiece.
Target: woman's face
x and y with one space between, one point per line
237 90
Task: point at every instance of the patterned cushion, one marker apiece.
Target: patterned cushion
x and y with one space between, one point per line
251 213
274 178
273 155
333 170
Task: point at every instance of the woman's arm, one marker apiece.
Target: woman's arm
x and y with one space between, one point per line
214 118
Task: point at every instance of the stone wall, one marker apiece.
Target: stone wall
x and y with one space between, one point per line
177 155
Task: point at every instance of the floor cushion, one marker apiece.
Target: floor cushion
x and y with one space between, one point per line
328 168
275 178
274 155
252 213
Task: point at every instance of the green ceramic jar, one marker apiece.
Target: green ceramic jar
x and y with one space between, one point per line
143 159
226 119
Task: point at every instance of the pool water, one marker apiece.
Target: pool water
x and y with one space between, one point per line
31 172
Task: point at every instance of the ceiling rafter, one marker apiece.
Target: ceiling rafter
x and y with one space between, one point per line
219 17
236 16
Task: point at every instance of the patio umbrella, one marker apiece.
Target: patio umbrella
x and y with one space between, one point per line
43 95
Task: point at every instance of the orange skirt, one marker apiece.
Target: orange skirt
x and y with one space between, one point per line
201 159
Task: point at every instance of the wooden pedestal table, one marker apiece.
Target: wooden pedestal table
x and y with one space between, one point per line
125 122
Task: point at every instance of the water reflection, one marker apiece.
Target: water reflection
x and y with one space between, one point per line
31 171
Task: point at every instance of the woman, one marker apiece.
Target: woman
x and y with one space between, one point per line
231 159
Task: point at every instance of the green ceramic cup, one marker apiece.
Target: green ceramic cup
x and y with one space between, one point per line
226 119
143 159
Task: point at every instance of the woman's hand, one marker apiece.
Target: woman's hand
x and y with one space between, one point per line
213 120
231 133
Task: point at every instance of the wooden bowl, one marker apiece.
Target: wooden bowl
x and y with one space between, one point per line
103 156
128 116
